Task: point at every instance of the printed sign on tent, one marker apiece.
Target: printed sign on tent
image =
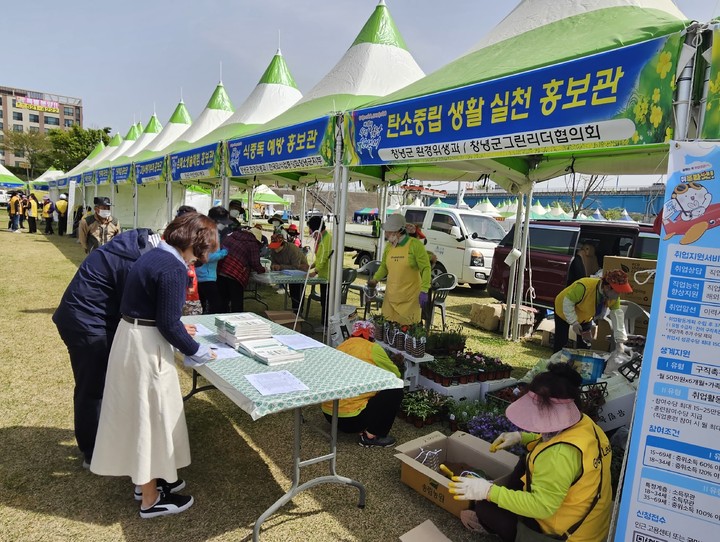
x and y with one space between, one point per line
302 146
150 171
103 175
120 174
88 178
77 179
622 95
672 481
200 163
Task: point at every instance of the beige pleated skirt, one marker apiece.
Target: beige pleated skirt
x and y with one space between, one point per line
142 431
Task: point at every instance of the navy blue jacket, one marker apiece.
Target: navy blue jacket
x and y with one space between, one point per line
91 302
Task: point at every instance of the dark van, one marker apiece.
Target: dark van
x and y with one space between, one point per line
553 260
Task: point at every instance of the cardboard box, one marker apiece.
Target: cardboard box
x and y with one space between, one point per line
619 404
642 293
457 448
486 317
285 319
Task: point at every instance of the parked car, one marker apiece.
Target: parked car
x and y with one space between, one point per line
4 198
553 261
462 239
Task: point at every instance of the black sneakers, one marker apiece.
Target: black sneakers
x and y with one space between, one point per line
167 504
375 442
162 485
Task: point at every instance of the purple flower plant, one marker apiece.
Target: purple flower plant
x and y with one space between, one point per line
488 427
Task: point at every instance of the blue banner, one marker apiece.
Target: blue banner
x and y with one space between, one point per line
103 175
150 171
62 182
76 178
200 163
53 183
301 146
621 95
120 174
88 178
672 480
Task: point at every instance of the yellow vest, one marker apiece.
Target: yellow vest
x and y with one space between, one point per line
587 307
46 209
401 303
348 408
596 455
61 205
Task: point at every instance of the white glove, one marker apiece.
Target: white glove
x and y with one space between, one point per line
506 440
468 488
577 328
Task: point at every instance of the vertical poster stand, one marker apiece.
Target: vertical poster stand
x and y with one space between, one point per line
671 490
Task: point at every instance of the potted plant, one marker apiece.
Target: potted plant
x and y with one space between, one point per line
460 412
415 339
378 321
456 339
489 424
399 337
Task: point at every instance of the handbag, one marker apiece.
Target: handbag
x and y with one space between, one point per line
525 533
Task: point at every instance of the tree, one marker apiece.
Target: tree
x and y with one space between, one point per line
32 147
70 147
581 189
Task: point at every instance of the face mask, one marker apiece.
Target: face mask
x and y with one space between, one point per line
234 213
393 239
612 294
104 213
221 227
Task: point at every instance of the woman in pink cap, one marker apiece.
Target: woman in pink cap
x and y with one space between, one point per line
561 488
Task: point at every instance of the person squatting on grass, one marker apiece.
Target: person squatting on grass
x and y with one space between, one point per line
142 431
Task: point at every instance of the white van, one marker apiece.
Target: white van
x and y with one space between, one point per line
462 239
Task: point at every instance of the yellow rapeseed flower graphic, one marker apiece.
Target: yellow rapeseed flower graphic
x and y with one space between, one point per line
664 64
635 137
656 96
640 110
668 134
656 116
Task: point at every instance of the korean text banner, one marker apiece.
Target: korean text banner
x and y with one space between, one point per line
103 175
200 163
301 146
64 181
120 174
672 481
74 179
88 178
624 96
150 171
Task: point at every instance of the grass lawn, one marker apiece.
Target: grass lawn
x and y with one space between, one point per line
239 466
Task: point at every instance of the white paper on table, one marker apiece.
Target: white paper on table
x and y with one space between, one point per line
298 342
202 331
275 383
224 352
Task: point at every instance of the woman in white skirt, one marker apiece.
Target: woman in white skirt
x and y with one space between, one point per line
142 431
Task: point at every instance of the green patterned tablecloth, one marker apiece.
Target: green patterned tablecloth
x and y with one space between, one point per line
278 278
329 373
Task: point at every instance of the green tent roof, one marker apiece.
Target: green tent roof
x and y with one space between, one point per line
277 73
381 29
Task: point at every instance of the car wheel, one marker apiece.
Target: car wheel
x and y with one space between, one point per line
438 270
363 260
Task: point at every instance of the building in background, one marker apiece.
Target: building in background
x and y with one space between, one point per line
31 111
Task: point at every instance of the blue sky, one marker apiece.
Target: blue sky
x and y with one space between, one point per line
126 58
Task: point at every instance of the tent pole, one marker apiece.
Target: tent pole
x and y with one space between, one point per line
135 204
224 179
521 272
702 103
340 220
512 279
251 200
168 198
382 211
303 210
684 88
333 301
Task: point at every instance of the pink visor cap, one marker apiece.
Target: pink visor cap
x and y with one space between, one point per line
528 414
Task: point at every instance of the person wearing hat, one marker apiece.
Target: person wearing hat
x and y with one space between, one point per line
293 235
277 221
562 489
371 414
321 267
243 256
61 206
99 228
284 256
588 300
48 208
406 265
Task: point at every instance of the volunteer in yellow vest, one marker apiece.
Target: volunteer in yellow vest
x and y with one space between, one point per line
370 414
98 229
321 267
14 212
61 206
32 213
562 487
48 208
587 301
406 265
